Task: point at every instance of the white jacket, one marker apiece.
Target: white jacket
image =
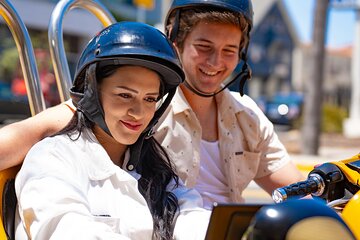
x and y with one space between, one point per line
72 190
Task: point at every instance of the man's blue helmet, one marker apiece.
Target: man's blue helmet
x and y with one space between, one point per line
244 7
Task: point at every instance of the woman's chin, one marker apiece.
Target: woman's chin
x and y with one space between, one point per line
127 140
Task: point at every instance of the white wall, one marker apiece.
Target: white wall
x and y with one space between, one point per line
36 14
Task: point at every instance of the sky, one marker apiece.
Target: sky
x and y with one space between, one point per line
341 22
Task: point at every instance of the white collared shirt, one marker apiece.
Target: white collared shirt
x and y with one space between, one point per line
72 190
249 147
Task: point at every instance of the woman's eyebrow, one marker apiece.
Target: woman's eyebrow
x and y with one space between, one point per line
135 91
127 88
155 93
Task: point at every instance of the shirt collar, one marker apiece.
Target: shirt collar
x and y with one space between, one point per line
179 102
226 100
100 164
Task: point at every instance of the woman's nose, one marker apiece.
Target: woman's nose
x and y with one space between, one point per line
136 110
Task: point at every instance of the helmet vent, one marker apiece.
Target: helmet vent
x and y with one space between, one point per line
97 50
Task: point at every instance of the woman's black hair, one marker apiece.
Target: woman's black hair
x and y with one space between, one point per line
156 170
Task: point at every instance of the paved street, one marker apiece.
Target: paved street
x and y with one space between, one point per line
333 147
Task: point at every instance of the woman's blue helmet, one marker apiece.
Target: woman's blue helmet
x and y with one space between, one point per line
125 43
132 43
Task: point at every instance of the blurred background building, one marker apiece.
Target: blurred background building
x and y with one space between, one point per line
277 55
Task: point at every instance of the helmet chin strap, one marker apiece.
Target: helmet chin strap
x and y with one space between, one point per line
89 103
138 149
243 75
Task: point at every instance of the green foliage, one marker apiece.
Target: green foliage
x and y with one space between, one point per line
332 118
118 17
9 56
297 123
9 62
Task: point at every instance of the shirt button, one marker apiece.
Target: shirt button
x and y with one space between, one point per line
130 167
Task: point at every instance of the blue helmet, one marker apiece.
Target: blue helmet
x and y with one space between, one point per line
244 7
133 43
125 43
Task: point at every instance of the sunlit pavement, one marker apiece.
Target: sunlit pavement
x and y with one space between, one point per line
335 149
254 194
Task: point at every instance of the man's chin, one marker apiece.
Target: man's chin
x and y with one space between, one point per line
207 90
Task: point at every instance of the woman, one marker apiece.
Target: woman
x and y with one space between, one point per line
126 77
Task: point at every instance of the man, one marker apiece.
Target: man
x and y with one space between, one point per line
217 144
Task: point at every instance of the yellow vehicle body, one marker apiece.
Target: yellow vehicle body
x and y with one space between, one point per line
351 175
5 175
351 213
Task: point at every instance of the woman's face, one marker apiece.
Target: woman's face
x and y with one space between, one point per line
128 98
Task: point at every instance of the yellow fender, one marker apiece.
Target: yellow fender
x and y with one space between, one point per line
351 213
5 175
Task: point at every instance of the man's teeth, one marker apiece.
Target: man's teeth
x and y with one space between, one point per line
208 73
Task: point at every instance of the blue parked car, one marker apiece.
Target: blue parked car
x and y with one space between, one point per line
283 108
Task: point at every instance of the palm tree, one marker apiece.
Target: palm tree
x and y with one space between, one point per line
313 86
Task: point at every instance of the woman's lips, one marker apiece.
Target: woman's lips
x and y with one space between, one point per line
132 126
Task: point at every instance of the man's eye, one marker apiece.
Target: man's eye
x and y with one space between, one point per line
229 51
203 47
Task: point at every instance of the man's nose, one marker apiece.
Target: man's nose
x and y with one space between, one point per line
215 58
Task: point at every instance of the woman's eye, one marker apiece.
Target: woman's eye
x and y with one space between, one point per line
124 95
151 99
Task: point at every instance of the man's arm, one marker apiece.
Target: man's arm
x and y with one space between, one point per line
17 138
286 175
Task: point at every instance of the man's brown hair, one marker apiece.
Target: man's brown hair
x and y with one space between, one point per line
190 17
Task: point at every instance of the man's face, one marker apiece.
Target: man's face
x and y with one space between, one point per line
210 54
